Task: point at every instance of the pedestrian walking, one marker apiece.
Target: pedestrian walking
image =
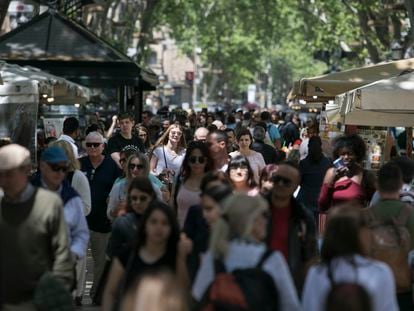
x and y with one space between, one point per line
33 233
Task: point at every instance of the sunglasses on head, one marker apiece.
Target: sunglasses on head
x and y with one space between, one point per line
277 179
132 166
141 198
195 159
58 168
95 145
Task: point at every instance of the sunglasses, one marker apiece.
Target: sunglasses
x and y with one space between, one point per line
137 166
141 198
277 179
236 166
194 160
58 168
94 145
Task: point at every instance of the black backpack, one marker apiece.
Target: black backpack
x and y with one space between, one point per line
248 289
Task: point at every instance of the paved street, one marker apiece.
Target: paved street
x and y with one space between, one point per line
87 302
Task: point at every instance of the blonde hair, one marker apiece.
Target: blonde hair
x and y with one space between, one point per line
163 140
156 292
73 163
236 222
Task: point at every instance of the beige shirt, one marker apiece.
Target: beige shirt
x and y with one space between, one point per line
33 240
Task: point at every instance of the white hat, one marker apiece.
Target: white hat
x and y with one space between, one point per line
13 156
219 124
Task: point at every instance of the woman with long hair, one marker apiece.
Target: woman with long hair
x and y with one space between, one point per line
140 194
343 262
237 241
168 153
241 176
244 140
136 165
186 192
144 134
158 247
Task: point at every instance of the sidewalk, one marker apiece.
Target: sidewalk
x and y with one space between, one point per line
87 301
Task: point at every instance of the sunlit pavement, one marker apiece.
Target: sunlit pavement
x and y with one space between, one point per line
87 302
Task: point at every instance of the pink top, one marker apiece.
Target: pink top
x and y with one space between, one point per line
185 199
344 190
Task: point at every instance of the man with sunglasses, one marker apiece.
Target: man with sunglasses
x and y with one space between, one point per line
291 227
101 172
53 167
33 233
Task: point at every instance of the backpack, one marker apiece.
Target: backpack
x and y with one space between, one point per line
248 289
346 295
390 243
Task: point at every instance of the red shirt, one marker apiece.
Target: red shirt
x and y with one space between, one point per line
280 230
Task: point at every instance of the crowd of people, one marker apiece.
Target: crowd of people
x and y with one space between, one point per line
205 212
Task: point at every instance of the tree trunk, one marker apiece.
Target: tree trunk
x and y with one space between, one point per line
146 28
4 5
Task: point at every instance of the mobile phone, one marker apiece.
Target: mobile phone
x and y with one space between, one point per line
339 164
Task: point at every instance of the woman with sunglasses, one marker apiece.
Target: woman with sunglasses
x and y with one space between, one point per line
244 140
236 242
124 228
158 246
168 153
241 176
80 183
136 165
186 192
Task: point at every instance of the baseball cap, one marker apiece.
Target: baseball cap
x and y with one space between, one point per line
54 155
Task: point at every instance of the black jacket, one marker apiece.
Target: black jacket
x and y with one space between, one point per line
268 152
302 241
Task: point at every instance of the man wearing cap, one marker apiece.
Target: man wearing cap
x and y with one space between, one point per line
53 167
70 133
101 172
33 233
124 139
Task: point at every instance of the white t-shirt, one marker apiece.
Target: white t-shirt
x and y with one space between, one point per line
71 141
242 255
174 162
376 277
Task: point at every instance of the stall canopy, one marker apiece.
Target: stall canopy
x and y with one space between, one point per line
388 102
56 44
47 86
330 85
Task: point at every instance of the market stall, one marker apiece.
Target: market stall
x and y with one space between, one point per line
328 86
21 92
